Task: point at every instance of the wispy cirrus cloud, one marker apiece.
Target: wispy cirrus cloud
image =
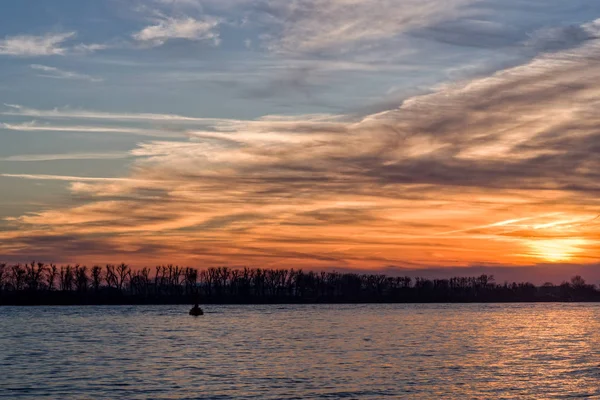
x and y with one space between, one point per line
57 73
35 127
45 177
66 156
84 48
194 4
33 46
71 113
50 44
186 28
341 25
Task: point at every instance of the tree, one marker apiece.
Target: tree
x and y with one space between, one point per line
3 274
176 284
18 276
123 272
81 278
66 278
191 279
145 279
52 273
158 279
96 277
34 274
111 276
577 282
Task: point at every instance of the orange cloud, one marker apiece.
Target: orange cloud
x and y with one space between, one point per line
499 170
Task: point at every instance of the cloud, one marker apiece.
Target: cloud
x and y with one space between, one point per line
43 177
471 32
69 113
35 127
340 25
179 3
563 37
89 48
187 28
56 73
291 81
501 168
66 156
32 46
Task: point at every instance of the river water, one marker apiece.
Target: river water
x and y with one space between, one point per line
301 352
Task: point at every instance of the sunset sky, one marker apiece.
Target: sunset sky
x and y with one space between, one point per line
361 134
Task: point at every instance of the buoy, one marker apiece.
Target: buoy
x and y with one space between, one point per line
196 311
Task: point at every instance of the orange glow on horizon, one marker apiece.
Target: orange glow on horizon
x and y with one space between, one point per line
557 250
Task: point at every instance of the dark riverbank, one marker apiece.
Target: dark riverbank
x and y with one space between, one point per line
41 284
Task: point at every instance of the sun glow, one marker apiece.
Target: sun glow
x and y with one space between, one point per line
556 250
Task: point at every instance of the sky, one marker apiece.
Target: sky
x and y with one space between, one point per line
352 134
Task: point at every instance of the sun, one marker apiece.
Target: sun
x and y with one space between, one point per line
556 250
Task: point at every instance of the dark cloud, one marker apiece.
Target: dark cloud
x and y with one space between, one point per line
295 81
472 33
560 38
488 34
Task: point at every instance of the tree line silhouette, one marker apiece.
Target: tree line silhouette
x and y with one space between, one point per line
39 283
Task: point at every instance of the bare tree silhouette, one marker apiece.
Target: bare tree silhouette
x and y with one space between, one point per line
34 274
81 278
111 277
3 274
123 272
172 283
96 277
51 275
66 278
19 275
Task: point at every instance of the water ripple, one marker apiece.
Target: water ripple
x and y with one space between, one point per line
301 352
